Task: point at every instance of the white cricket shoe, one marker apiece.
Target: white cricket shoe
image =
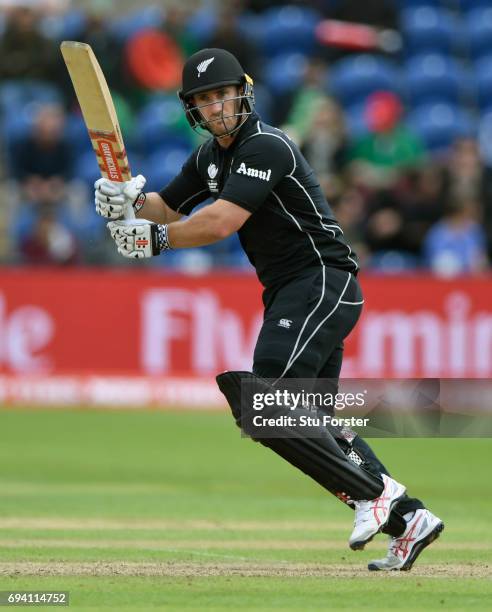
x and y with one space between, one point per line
422 529
372 515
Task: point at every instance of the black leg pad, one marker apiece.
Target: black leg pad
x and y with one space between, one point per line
316 453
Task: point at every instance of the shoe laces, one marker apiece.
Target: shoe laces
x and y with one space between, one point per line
394 548
363 511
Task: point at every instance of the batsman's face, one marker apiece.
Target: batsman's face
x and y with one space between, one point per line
218 108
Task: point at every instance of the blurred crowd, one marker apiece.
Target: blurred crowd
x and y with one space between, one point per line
406 168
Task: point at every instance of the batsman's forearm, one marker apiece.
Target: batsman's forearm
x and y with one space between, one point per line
198 230
156 210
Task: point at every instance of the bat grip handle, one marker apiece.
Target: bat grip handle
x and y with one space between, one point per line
128 211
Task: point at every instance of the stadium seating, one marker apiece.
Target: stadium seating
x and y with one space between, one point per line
86 168
284 73
289 29
252 26
394 262
470 5
438 125
427 29
161 121
479 32
126 25
14 95
76 134
435 78
483 82
163 165
65 26
263 102
352 79
202 24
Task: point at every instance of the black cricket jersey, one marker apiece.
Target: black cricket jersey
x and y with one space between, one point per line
292 228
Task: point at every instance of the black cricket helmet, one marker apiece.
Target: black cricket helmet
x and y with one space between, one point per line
211 69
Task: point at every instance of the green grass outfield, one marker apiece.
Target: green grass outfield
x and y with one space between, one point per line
154 510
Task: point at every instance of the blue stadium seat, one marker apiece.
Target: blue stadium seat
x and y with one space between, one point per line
284 73
19 104
161 122
65 26
483 82
202 25
435 78
470 5
126 26
479 31
289 29
252 27
393 262
86 168
352 79
87 226
76 133
439 125
15 95
427 29
14 128
163 165
263 102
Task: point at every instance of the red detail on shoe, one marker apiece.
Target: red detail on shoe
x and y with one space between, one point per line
344 497
403 543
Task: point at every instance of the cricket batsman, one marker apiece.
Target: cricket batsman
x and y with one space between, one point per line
264 189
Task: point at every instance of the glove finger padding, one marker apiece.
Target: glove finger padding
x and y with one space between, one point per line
106 199
107 187
132 189
112 199
110 209
136 239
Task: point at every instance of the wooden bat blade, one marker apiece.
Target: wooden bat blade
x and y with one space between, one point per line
97 109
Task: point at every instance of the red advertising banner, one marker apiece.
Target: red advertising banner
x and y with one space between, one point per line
141 323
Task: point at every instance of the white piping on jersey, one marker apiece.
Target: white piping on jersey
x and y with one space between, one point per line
299 227
323 267
188 199
197 156
294 358
325 226
275 136
352 303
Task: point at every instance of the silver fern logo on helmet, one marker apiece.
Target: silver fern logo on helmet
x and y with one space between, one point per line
202 66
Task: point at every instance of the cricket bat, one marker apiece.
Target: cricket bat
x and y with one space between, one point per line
98 111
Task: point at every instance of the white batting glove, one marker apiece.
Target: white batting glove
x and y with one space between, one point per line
112 198
139 238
